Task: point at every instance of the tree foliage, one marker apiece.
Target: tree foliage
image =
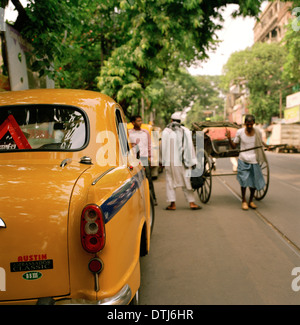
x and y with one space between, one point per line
291 71
129 44
47 25
177 92
70 39
261 67
164 35
210 97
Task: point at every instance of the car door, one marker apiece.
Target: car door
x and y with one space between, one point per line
129 161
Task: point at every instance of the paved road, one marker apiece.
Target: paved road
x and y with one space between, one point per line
222 254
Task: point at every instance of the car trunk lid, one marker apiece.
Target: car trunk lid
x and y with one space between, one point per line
34 200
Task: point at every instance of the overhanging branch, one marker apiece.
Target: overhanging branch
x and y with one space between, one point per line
22 17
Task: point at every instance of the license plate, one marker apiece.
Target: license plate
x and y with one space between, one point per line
31 266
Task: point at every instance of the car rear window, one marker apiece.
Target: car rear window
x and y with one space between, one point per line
42 127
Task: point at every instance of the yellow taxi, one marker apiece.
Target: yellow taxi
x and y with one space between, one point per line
76 213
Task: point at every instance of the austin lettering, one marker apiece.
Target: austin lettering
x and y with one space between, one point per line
30 258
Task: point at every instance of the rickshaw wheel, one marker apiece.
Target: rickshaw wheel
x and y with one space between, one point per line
205 191
259 195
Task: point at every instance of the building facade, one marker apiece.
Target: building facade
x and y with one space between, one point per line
237 100
271 26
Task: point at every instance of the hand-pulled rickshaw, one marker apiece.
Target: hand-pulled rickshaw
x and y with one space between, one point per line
216 145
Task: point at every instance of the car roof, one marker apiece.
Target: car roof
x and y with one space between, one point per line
75 97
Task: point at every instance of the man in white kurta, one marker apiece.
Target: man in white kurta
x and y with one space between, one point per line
178 156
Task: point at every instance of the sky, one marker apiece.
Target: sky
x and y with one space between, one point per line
10 13
236 35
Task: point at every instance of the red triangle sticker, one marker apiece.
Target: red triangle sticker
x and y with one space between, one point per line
10 125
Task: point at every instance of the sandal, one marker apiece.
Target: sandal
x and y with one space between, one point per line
170 208
252 205
196 208
245 206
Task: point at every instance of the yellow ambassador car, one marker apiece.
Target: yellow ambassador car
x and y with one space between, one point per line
75 209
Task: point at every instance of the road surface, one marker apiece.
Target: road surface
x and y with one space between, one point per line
222 254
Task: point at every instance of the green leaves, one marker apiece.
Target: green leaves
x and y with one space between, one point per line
209 98
291 69
162 35
261 67
122 47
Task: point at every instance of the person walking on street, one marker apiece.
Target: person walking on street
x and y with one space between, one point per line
249 173
178 156
141 141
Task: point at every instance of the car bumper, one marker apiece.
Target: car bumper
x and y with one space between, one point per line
123 297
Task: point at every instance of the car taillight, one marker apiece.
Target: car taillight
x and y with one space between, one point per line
92 229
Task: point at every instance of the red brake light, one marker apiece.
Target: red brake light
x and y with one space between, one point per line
92 229
95 265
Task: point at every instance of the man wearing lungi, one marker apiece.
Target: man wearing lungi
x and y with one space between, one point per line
249 173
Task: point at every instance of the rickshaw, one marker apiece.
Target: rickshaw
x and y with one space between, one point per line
216 145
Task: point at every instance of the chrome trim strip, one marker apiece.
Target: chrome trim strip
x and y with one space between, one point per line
122 297
98 178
